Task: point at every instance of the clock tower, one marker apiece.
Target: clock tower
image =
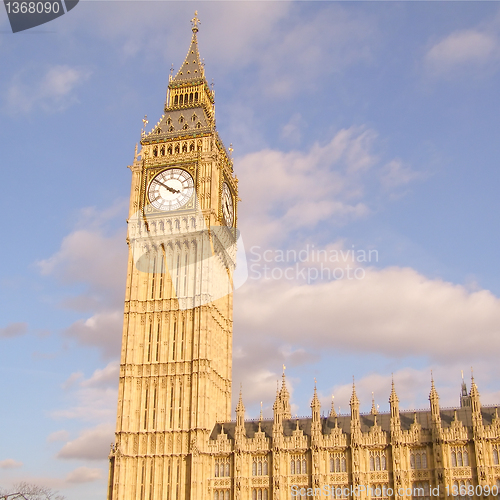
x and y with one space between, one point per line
175 370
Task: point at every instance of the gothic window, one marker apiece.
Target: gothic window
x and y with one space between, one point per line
184 148
338 491
195 96
169 149
495 455
162 150
424 460
185 126
171 129
292 466
379 491
421 490
186 98
199 146
169 120
176 100
181 97
198 125
459 456
177 149
462 490
222 467
191 147
221 495
155 151
194 117
378 460
259 494
259 466
191 97
181 119
337 462
158 130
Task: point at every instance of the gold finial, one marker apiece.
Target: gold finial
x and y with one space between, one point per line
231 149
195 21
171 72
284 368
144 122
260 418
462 372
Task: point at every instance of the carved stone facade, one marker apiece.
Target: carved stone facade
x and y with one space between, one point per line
175 373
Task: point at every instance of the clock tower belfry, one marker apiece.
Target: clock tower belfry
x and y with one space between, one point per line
175 369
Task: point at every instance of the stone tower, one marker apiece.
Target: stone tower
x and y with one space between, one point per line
175 371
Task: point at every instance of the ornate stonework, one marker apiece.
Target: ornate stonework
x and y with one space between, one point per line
174 437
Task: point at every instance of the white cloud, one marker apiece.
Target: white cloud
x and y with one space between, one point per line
463 49
61 435
396 173
92 444
51 91
95 397
84 475
285 192
13 330
102 330
394 311
10 463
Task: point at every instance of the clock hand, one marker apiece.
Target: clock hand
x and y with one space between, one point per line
172 190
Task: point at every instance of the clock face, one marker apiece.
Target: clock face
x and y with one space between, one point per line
227 205
171 189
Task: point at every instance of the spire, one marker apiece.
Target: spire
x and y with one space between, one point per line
474 398
315 405
192 68
240 416
354 403
394 402
373 410
434 400
333 413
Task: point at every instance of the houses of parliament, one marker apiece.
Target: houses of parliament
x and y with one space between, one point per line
174 436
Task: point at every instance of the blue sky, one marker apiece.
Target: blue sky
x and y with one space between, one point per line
355 126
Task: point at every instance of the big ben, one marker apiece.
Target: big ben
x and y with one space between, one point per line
175 371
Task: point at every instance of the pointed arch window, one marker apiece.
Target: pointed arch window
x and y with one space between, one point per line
181 98
191 97
184 148
195 96
176 100
155 151
162 150
169 150
495 455
185 126
191 147
177 149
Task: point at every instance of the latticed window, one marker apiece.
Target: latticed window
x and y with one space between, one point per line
459 456
222 495
222 467
418 459
378 460
379 491
338 491
298 465
462 490
338 462
496 449
259 466
421 490
259 494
